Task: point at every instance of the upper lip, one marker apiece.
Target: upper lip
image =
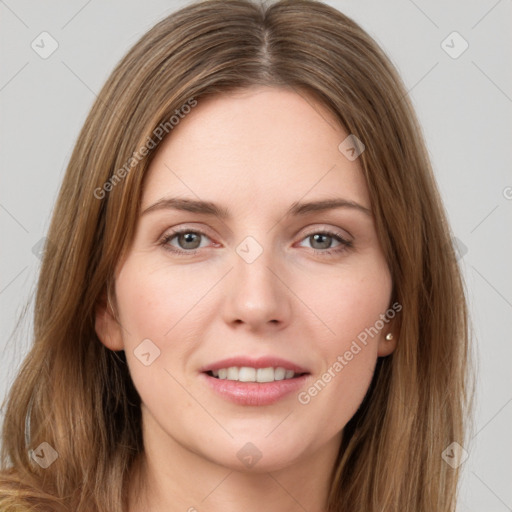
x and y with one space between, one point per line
261 362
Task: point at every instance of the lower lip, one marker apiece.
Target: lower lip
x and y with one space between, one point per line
255 393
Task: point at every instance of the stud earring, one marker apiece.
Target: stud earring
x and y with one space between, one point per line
389 336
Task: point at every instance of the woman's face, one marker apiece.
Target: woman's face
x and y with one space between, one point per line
238 261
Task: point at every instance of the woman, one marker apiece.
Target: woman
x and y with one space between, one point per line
250 299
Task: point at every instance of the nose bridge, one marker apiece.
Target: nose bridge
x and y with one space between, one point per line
256 296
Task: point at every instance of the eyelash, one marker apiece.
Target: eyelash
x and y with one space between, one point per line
344 244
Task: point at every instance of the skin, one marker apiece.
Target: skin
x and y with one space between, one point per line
254 152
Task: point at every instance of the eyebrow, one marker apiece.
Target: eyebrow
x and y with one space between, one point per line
209 208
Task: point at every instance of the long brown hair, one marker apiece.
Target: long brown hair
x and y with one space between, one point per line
77 396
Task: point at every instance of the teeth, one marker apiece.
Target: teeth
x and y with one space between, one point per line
265 375
245 374
248 374
233 373
279 373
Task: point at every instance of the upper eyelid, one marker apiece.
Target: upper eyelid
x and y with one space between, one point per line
331 230
185 229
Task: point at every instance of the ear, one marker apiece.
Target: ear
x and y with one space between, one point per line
387 346
107 327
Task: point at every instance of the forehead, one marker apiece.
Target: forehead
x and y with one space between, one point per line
256 146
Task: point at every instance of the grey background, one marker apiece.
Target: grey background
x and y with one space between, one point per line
464 106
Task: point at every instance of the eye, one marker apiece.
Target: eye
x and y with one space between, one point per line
186 241
322 242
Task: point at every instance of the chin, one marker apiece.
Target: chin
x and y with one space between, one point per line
261 455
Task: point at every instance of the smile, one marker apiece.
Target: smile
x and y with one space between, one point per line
248 381
250 374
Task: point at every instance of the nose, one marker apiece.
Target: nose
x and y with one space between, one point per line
257 295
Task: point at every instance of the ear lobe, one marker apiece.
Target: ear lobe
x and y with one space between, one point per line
387 341
107 327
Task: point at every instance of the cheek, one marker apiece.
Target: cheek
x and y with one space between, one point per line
348 359
156 307
334 396
350 303
158 301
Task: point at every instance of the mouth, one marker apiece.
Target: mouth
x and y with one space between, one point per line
251 374
246 381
